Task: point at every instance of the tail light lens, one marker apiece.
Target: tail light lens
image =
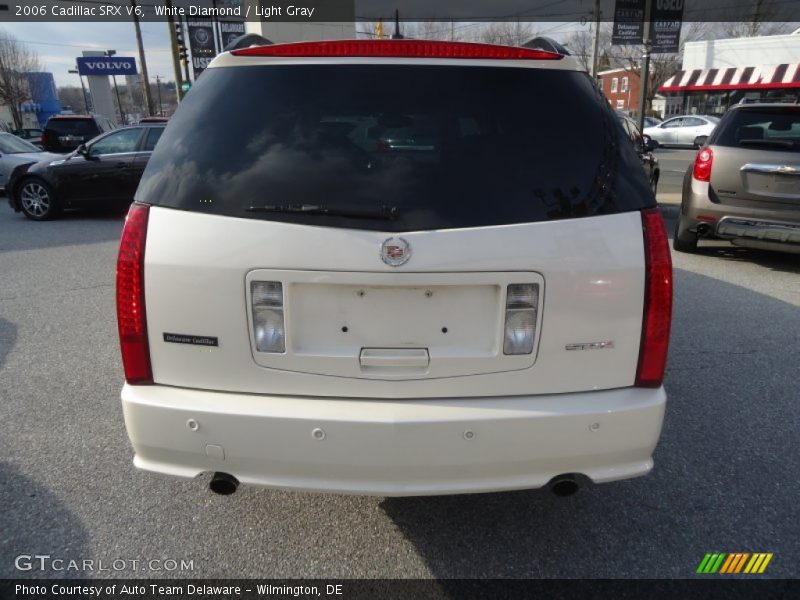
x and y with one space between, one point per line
657 301
702 164
131 315
522 305
268 323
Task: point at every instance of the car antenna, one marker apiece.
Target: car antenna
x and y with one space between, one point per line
397 35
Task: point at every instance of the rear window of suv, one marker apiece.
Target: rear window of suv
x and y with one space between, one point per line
774 128
418 147
78 127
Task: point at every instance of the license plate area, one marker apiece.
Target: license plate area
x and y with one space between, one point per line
773 185
457 319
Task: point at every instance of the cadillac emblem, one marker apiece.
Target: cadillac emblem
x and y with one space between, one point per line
395 251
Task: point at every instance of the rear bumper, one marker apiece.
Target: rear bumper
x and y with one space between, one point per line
756 229
394 447
747 225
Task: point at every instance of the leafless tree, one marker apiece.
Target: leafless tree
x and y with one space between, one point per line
72 96
507 33
16 62
662 66
579 45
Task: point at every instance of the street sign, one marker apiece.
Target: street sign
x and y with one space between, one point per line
106 65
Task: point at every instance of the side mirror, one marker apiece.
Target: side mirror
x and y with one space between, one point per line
700 140
648 143
82 150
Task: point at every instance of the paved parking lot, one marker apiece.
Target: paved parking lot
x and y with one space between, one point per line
725 478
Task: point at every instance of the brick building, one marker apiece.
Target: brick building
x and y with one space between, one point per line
621 87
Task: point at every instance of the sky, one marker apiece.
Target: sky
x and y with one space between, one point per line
57 45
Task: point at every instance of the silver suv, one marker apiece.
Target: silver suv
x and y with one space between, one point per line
744 185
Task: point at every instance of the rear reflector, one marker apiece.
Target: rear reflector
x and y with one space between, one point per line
657 301
398 48
131 315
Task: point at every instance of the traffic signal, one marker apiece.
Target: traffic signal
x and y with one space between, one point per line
182 54
178 33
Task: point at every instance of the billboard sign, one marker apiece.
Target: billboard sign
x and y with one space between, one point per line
106 65
665 26
628 22
230 30
201 43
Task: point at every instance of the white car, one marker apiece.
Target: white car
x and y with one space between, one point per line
488 310
682 131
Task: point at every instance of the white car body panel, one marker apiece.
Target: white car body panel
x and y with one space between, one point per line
394 447
592 272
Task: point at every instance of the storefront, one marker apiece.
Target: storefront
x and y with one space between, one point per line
719 73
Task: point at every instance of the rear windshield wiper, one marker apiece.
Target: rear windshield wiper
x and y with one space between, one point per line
760 142
387 213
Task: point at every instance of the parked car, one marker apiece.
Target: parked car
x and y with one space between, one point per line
14 153
744 185
681 131
102 173
644 147
297 313
64 133
30 134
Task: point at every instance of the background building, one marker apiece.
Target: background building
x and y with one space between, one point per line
621 87
717 73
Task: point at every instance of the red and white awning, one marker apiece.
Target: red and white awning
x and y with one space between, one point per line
785 76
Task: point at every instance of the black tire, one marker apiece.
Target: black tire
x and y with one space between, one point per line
37 199
684 240
654 184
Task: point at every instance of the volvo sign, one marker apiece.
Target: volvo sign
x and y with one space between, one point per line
106 65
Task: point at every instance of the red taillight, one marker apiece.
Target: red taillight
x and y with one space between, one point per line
131 315
398 48
702 164
657 301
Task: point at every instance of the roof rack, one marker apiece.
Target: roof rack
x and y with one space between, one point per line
786 99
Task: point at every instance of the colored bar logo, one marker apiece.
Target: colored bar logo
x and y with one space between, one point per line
734 562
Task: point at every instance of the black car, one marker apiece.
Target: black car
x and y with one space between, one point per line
64 133
103 173
644 148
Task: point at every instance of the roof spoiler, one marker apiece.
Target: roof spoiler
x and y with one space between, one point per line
546 43
247 40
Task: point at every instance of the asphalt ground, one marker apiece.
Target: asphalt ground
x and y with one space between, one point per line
725 478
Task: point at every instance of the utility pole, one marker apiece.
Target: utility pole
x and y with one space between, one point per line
148 101
83 89
397 35
173 42
110 53
158 88
645 73
596 38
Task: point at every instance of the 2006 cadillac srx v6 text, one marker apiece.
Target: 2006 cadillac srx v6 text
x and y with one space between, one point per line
385 267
